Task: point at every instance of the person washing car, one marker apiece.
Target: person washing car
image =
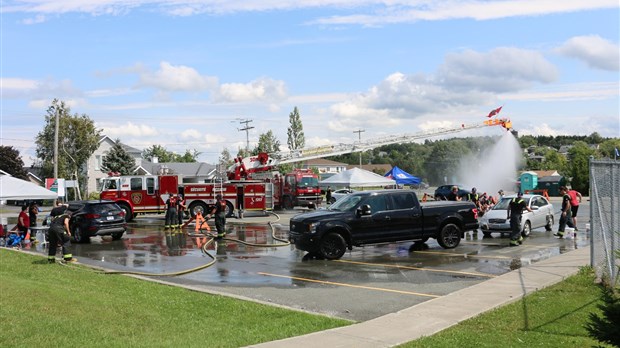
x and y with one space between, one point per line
515 213
59 232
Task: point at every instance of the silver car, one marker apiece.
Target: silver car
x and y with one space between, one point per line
494 221
340 193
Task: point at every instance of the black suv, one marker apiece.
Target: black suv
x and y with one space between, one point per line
96 218
442 192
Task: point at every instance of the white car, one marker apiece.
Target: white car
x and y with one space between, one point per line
494 221
339 194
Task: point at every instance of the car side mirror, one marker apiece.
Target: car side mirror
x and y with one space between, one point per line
535 208
364 210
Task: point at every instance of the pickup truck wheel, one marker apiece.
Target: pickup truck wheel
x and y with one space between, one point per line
549 225
449 236
332 246
527 228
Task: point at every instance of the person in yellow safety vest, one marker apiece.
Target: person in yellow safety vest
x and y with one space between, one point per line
515 212
473 197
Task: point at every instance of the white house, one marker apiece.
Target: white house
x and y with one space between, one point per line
94 172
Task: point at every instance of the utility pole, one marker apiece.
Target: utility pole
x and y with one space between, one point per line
359 134
247 135
56 143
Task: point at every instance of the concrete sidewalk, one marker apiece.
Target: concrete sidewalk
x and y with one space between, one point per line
437 314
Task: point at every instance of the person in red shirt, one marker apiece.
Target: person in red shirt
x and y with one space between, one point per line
23 222
575 199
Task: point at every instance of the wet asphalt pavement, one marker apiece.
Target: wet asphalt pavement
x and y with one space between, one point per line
366 283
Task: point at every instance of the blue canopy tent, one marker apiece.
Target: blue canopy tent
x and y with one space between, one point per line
402 177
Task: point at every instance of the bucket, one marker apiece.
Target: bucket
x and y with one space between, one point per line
587 228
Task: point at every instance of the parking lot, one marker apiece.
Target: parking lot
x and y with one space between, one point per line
366 283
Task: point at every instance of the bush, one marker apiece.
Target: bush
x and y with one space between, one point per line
93 195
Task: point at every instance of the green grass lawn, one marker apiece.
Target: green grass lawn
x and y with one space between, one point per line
552 317
50 305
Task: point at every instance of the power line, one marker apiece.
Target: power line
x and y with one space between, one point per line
247 133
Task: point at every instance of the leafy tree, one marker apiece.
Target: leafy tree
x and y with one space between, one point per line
78 138
578 168
296 139
188 156
267 142
554 161
164 155
11 162
608 148
118 160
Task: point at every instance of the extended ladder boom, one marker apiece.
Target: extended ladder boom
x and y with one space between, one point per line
342 149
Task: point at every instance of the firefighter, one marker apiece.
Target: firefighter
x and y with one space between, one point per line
59 232
181 208
171 211
219 210
515 212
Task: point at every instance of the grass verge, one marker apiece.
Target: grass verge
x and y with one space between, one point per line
552 317
49 305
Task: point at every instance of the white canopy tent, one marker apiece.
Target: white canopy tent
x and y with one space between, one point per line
17 189
356 177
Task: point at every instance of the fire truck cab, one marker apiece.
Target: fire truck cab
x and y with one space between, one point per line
140 193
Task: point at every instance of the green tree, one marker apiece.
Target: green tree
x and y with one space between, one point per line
296 139
118 160
11 162
78 138
267 142
554 161
190 156
578 169
607 149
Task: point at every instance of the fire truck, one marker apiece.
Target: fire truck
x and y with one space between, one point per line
255 187
252 183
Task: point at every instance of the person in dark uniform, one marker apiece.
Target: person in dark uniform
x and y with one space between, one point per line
219 210
59 233
328 195
454 194
171 211
515 212
565 217
474 198
180 209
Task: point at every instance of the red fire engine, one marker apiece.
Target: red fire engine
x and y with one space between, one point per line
254 190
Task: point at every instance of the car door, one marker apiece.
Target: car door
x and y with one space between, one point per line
372 227
405 217
539 213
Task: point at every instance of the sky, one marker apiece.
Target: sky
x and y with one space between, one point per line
192 74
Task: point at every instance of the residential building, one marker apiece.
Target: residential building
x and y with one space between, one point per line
325 167
94 172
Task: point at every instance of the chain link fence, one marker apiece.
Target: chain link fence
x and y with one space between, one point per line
605 217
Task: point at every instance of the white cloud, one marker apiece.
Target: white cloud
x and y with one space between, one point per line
191 134
170 78
128 129
263 89
464 81
593 50
363 12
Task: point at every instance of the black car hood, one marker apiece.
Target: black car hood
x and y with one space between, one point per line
319 214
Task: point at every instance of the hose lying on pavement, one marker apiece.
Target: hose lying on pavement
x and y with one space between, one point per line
212 239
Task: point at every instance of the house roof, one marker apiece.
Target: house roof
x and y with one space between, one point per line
323 162
127 148
542 173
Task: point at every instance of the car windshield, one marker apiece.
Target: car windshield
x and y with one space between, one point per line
309 181
505 202
346 203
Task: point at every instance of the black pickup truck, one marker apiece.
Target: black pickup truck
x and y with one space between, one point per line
367 217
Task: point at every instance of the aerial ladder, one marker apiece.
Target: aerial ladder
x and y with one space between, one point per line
246 167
